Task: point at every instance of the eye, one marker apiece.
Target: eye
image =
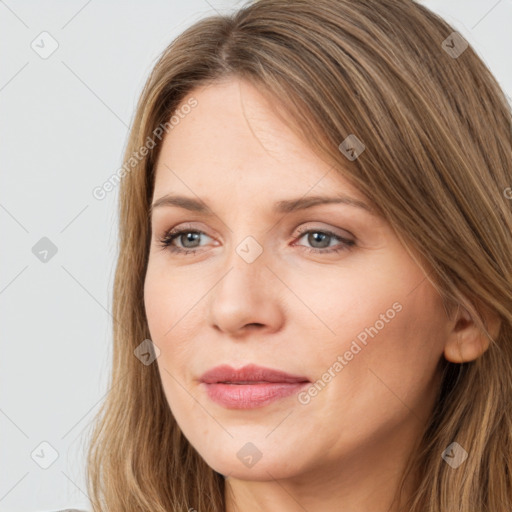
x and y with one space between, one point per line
189 239
187 236
319 236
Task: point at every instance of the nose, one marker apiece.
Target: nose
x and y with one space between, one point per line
247 298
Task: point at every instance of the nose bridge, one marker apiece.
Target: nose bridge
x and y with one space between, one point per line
250 244
250 250
247 238
246 264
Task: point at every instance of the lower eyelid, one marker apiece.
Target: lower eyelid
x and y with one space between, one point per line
343 244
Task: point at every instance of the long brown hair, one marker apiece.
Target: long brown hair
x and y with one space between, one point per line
437 164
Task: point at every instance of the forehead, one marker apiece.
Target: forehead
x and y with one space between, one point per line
233 144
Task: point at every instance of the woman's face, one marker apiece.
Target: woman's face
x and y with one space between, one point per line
259 285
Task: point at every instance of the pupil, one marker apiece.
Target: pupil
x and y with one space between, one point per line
316 235
189 235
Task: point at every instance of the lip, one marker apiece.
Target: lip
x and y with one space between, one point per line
250 386
249 373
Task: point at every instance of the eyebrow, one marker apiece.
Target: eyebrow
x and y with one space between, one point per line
284 206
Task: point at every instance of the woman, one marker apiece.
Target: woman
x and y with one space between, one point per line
266 369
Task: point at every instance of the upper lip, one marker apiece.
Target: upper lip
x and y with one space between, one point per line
248 373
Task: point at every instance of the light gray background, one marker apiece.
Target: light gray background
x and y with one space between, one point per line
64 122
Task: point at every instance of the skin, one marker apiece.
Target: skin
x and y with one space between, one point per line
291 310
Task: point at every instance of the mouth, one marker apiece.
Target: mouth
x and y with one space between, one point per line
250 387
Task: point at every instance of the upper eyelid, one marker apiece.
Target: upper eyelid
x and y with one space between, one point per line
305 228
302 229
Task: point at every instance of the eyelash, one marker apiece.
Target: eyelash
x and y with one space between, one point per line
168 237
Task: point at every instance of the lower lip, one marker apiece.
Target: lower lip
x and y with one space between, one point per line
250 396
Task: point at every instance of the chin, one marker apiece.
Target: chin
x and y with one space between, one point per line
238 463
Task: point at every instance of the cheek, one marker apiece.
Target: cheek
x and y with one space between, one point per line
166 299
385 318
155 303
173 315
380 365
166 313
392 351
339 306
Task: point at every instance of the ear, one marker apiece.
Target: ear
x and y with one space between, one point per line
467 341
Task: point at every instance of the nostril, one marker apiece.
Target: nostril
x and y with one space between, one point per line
254 325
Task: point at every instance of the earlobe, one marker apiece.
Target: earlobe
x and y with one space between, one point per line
467 341
466 347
